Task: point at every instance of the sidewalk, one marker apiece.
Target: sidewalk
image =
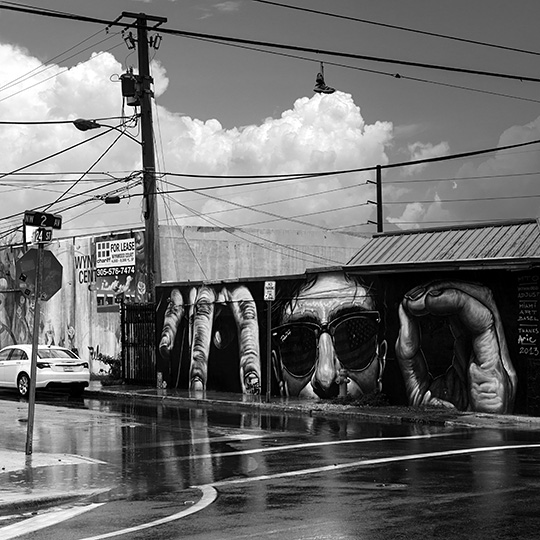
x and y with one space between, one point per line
17 501
392 414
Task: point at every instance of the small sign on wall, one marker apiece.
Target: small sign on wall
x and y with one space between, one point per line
270 290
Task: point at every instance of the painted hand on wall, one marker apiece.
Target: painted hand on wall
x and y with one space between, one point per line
481 376
204 308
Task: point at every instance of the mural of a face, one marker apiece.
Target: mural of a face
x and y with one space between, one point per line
331 324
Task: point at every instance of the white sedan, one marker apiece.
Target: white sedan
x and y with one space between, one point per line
57 367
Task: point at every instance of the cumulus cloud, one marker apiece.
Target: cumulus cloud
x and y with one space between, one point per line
228 6
503 186
318 133
159 74
419 214
321 133
419 151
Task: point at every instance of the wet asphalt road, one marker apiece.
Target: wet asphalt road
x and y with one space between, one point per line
217 476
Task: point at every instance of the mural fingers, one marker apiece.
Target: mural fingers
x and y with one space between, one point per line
245 315
411 359
203 315
171 322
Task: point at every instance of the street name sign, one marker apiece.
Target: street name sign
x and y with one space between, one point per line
42 235
42 219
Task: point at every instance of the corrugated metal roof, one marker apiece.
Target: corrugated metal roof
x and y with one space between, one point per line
509 240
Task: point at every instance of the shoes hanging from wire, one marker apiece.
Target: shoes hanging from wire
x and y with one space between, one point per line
320 86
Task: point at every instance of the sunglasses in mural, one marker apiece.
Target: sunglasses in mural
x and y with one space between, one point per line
326 324
354 337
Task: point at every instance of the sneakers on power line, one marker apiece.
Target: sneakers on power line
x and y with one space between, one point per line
321 87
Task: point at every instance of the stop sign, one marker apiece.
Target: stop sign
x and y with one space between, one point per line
51 280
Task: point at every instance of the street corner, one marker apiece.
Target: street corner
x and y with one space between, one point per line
21 496
17 460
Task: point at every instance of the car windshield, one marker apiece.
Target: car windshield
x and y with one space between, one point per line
57 353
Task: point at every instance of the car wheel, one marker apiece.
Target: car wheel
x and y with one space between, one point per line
23 384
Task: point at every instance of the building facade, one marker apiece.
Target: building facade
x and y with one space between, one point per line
442 317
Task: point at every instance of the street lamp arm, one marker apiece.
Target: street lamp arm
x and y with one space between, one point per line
85 124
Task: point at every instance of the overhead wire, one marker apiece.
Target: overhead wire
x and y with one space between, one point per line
49 78
264 212
60 198
44 67
220 38
230 230
402 28
228 39
302 176
466 199
373 71
287 199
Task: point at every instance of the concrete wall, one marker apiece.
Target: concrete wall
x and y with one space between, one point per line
73 316
209 253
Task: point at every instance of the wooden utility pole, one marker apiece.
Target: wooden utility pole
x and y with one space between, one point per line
379 200
151 225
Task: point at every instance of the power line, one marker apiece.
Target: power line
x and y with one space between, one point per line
49 78
61 197
374 71
42 68
468 199
482 177
229 230
87 192
315 213
288 199
228 39
402 28
304 176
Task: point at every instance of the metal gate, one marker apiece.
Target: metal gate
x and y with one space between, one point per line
138 343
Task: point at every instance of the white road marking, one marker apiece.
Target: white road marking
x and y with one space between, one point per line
367 462
203 440
15 460
301 446
45 520
209 495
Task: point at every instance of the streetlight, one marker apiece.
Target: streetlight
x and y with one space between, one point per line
85 124
152 253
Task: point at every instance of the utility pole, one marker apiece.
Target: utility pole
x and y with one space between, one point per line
379 200
145 95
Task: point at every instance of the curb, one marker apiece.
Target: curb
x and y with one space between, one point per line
389 414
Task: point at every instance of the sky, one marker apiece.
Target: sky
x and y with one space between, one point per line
222 110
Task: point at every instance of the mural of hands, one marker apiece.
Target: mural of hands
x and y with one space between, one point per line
204 309
481 376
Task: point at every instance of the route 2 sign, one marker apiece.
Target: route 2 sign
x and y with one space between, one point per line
41 219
